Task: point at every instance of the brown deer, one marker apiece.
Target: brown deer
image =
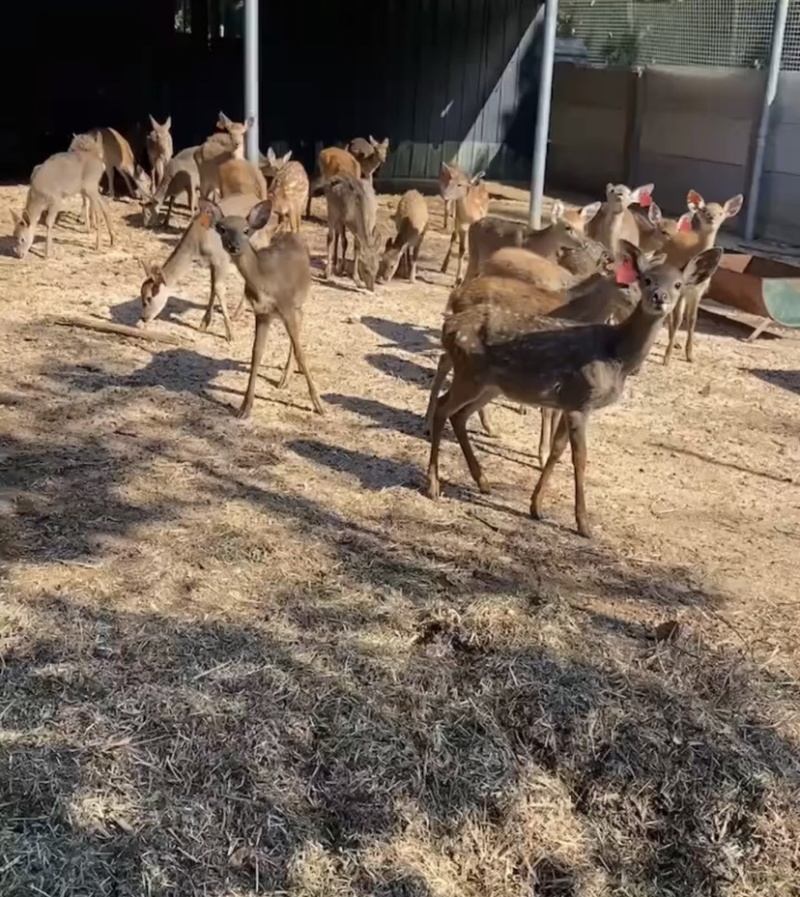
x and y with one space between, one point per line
181 175
352 207
288 193
615 221
159 148
332 161
240 176
76 171
411 220
486 235
371 154
220 148
198 243
655 229
683 245
277 281
116 153
471 197
553 363
515 276
447 174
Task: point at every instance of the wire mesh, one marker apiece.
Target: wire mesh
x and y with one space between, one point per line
717 33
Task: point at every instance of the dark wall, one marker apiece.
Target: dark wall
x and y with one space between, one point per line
328 72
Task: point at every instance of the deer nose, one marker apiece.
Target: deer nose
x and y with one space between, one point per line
661 297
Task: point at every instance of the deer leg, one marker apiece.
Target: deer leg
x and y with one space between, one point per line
446 205
130 183
446 262
287 368
239 307
692 310
331 247
545 436
343 259
486 423
442 370
97 202
356 256
52 214
259 344
293 325
462 247
110 178
204 324
459 422
560 438
674 322
414 255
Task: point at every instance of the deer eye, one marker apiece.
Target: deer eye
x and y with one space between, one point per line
678 285
648 281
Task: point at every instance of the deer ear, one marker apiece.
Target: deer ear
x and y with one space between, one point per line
733 205
271 157
478 177
388 244
286 157
26 218
643 195
259 215
587 213
153 123
702 266
223 122
557 212
654 215
168 123
15 217
372 140
210 213
630 255
685 222
609 189
694 201
157 274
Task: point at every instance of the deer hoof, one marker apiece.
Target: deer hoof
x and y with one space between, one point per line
584 529
483 486
433 488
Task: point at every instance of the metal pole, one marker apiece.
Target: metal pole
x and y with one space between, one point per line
543 113
251 41
770 92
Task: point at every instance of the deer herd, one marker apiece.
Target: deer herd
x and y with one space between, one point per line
556 318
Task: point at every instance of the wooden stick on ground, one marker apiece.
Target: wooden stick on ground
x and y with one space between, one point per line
120 329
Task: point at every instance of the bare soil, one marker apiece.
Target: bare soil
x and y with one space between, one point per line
254 658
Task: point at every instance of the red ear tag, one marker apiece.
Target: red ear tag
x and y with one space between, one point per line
685 223
645 200
625 274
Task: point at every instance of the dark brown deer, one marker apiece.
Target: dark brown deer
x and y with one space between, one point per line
277 282
500 350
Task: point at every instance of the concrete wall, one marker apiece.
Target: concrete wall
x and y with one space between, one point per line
779 208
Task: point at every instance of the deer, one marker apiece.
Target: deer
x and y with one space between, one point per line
553 363
447 174
271 164
218 148
514 276
655 230
288 193
240 176
486 235
159 148
277 281
116 153
62 175
198 243
332 161
352 207
709 217
371 154
615 221
411 220
181 175
471 197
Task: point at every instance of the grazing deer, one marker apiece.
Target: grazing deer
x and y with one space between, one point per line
411 220
615 221
371 154
198 243
486 235
277 281
77 171
683 245
159 148
288 193
352 207
447 174
517 277
553 363
332 161
220 148
471 197
655 230
116 153
181 175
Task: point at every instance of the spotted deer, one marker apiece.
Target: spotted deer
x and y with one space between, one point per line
288 194
684 245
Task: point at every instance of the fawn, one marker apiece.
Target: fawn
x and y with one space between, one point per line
371 154
615 221
332 161
159 148
352 207
447 174
62 175
471 197
486 235
271 164
288 193
553 363
219 148
197 242
181 175
655 229
683 245
411 220
277 281
116 153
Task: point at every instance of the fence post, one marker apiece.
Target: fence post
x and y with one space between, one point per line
634 115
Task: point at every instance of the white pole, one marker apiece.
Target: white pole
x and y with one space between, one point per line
251 41
543 113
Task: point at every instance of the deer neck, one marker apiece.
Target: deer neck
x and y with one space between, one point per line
247 265
636 337
35 204
182 255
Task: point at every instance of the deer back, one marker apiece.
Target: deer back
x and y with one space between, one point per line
333 161
241 176
526 266
290 185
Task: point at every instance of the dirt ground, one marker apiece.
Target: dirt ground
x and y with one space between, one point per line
254 658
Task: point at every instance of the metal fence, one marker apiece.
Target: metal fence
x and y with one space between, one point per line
721 33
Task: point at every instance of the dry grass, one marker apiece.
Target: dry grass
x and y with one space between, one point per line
241 659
